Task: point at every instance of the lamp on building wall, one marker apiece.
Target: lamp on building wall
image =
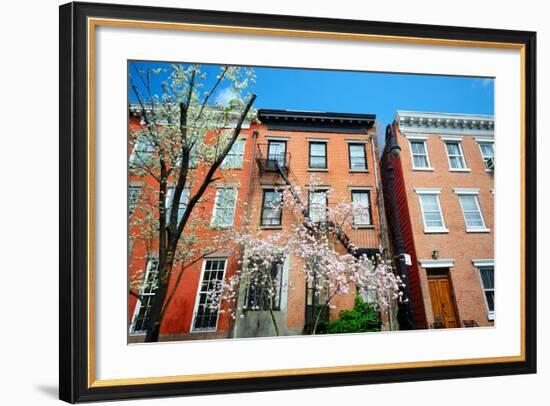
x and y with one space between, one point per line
404 314
435 254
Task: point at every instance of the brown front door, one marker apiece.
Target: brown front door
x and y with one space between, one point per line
442 302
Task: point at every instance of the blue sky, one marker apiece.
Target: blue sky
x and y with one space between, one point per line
356 92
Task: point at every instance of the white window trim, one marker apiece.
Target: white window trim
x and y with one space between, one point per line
452 138
486 141
137 306
436 192
412 139
475 193
197 295
485 263
459 142
214 210
226 166
437 263
480 263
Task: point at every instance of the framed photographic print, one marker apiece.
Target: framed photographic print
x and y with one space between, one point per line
257 202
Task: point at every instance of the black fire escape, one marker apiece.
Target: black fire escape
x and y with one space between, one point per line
279 163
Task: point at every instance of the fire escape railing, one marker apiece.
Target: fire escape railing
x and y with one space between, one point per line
280 163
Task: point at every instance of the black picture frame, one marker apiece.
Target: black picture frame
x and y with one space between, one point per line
74 359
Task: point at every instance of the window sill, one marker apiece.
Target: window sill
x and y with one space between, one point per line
358 171
478 230
423 169
460 170
436 231
491 316
271 227
137 334
317 169
202 331
489 170
213 227
363 226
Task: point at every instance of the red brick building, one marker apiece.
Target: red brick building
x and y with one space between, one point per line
340 148
443 192
188 316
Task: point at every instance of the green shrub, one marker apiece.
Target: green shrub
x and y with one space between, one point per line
362 318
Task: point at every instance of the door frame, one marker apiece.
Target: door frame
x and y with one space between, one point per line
444 273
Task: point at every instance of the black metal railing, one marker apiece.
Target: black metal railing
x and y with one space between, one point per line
270 161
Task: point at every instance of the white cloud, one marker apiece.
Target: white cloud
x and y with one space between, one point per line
224 96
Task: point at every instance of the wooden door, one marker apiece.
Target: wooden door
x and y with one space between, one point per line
442 302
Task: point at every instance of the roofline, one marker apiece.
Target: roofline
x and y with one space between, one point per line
298 114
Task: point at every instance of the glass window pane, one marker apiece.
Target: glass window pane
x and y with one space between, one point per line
317 162
429 202
418 148
317 149
487 276
490 296
420 161
468 202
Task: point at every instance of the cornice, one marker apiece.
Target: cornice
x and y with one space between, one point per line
445 123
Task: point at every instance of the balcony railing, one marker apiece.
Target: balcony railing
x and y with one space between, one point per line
271 161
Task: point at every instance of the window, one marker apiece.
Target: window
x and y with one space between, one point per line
140 321
488 154
142 153
431 212
276 152
184 199
271 208
488 284
258 295
357 157
194 155
318 202
234 158
318 155
456 158
472 212
133 195
419 155
361 214
224 207
206 313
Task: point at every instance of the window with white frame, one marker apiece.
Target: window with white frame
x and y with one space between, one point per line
357 157
133 195
432 215
234 158
264 289
142 153
488 154
361 209
455 155
487 274
471 211
184 199
419 153
318 205
141 318
205 317
271 208
224 207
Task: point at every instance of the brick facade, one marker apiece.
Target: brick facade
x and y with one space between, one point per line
455 250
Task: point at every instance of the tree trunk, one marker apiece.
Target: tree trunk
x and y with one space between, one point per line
153 332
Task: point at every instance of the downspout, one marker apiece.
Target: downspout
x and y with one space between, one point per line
249 194
381 218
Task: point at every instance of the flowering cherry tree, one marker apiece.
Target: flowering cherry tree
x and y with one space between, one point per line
187 133
314 239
